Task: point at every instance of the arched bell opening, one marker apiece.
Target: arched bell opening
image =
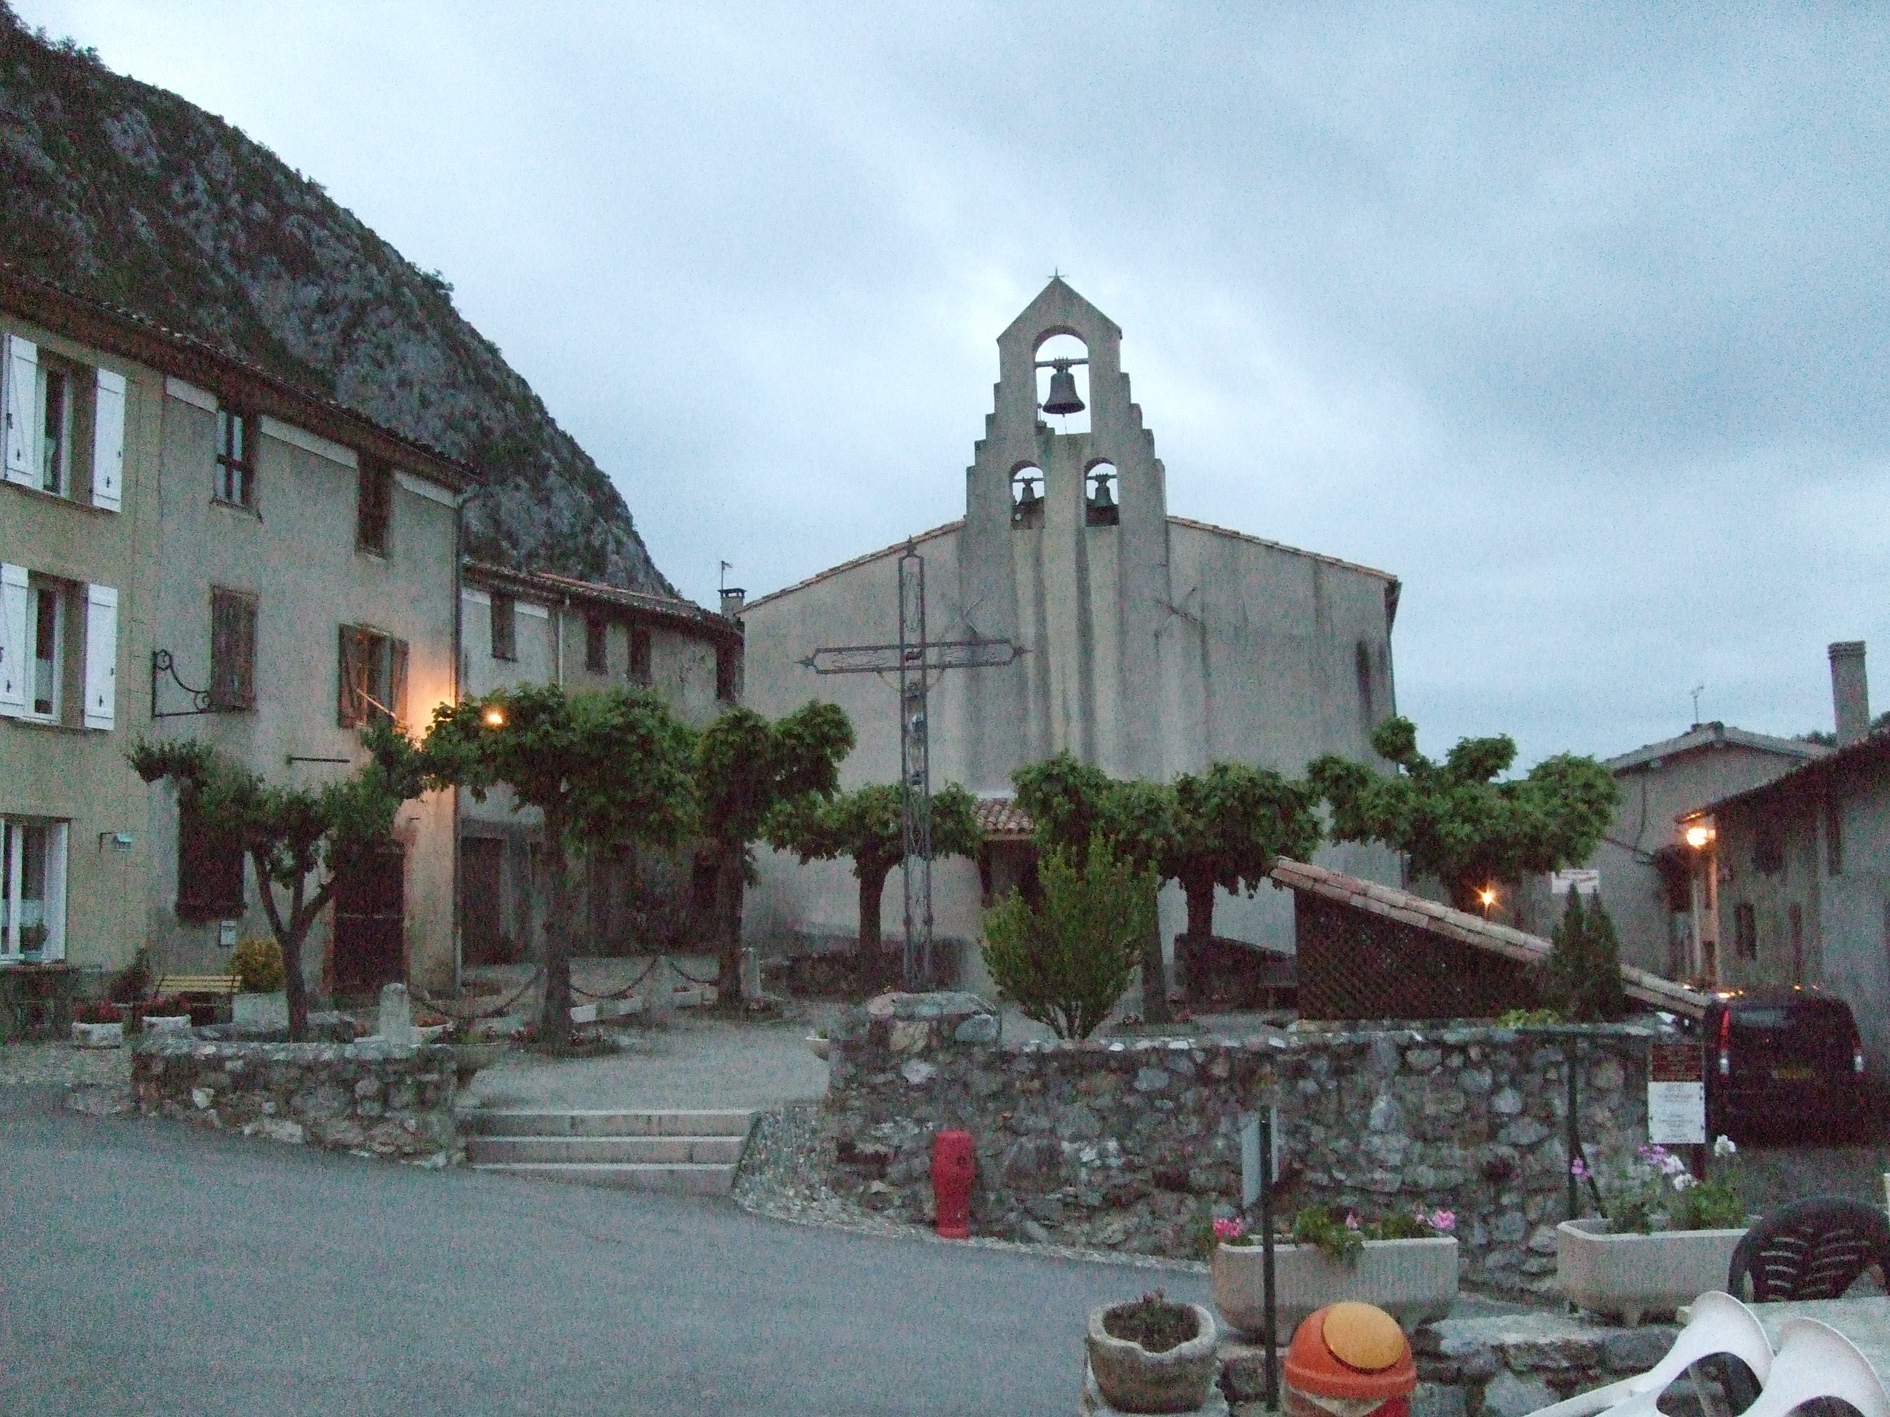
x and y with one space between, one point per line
1063 383
1102 504
1027 485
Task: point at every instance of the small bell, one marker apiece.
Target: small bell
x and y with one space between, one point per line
1102 498
1063 397
1029 497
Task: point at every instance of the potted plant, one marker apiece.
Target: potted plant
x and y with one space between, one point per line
817 1041
262 1003
1403 1262
430 1027
98 1024
32 942
1666 1237
1151 1355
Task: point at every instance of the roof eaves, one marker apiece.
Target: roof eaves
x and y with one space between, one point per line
1875 746
1194 525
857 562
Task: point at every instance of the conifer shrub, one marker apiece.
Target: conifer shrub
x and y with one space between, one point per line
1582 980
258 963
1066 961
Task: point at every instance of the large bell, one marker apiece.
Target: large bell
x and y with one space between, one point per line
1063 397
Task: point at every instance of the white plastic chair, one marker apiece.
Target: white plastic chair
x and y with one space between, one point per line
1815 1360
1719 1323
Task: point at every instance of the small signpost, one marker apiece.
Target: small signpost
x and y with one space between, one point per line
1676 1094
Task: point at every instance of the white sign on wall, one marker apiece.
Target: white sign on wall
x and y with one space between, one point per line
1676 1095
1583 882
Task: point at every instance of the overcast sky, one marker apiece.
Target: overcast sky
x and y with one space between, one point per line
1578 326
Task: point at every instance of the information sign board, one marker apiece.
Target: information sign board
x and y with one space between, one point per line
1676 1094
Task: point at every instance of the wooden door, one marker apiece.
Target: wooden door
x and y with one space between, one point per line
370 921
481 936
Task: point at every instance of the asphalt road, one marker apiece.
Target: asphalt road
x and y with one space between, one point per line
150 1267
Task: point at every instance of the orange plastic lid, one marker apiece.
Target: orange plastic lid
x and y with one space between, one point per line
1351 1350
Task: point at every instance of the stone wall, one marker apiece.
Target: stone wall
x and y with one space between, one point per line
358 1097
1134 1145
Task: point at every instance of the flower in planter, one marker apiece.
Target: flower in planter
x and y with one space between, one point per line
1232 1230
1660 1193
97 1011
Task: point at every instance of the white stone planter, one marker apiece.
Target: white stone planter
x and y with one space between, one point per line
430 1033
1415 1281
1129 1378
260 1013
167 1023
1634 1276
98 1035
819 1046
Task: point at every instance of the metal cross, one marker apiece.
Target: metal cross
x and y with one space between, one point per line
915 659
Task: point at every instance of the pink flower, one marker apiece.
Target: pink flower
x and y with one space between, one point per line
1443 1221
1351 1220
1226 1229
1578 1169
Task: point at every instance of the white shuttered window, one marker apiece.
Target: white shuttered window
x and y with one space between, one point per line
108 441
20 373
101 656
13 646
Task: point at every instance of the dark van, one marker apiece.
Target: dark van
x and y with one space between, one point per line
1783 1060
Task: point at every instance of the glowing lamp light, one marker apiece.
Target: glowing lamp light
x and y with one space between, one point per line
1487 896
495 717
1698 837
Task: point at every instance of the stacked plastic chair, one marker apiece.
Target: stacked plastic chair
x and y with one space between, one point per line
1814 1361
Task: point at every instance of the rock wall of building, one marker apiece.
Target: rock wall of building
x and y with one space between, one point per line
358 1097
1135 1145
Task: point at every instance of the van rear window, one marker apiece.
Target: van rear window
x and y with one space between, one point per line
1759 1018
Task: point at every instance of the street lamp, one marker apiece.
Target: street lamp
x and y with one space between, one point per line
1488 896
495 717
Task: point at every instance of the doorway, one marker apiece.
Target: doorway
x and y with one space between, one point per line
370 911
481 926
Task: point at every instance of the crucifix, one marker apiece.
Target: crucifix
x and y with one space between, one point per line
917 661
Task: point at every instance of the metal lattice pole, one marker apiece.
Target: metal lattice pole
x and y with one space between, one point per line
915 771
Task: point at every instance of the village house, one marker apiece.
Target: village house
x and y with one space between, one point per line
519 628
1150 644
194 548
1790 881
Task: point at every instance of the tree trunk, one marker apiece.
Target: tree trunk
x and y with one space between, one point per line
1154 978
728 925
554 1023
1200 907
871 963
292 983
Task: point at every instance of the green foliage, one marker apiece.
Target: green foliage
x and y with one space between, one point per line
1656 1191
1317 1225
602 768
300 840
1455 822
1066 962
1582 976
1527 1018
258 963
1230 825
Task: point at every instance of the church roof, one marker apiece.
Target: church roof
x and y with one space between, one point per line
832 571
1704 736
1194 525
1422 914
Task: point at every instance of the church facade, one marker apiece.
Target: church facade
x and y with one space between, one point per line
1151 645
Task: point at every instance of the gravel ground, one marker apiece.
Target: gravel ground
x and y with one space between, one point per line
62 1065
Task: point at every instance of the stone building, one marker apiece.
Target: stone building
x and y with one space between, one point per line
196 549
519 628
1791 880
1152 644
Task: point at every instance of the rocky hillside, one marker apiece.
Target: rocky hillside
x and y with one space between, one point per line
130 195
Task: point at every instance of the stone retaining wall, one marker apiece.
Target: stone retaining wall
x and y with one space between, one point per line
1134 1145
358 1097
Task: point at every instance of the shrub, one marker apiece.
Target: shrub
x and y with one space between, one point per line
1066 963
133 981
1582 980
97 1011
258 963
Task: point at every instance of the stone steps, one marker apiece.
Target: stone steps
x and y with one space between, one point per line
677 1152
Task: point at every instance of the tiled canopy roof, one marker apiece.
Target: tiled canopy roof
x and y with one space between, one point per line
1424 914
1002 817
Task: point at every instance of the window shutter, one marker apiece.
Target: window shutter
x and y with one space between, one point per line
13 648
101 656
22 388
352 670
397 680
108 441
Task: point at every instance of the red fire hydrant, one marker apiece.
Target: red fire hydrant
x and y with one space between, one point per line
952 1168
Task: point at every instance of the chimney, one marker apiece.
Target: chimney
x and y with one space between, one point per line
733 596
1850 693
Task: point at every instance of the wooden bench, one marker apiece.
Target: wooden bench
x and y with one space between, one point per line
215 986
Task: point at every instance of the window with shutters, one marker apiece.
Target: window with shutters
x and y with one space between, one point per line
58 650
372 678
504 626
46 636
374 512
640 659
63 420
597 644
209 868
236 459
232 651
728 673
